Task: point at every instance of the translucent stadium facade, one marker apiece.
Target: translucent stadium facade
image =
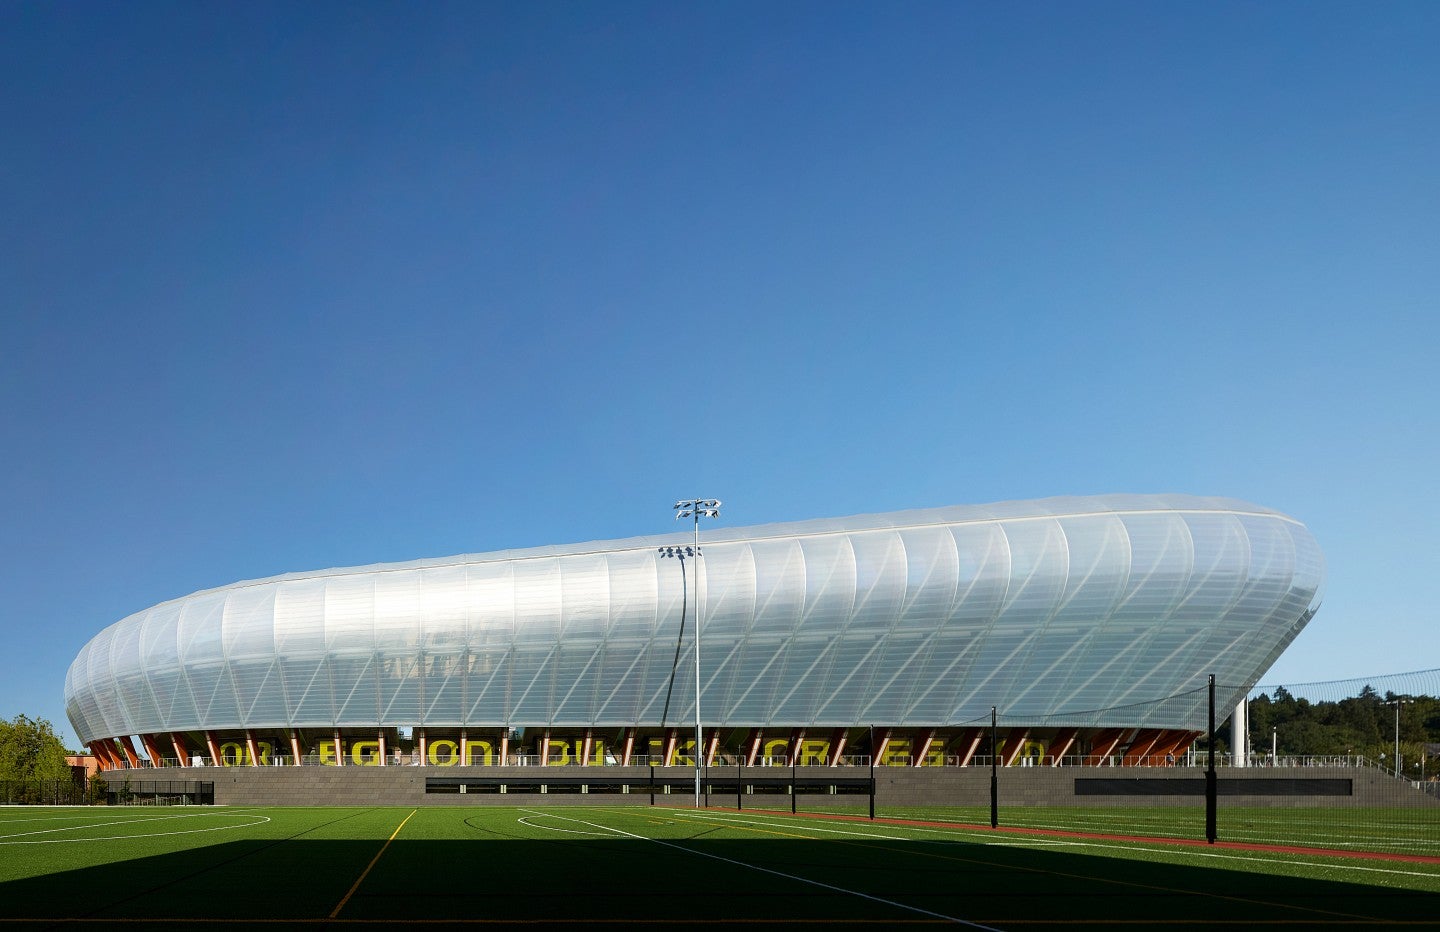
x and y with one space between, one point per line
1062 613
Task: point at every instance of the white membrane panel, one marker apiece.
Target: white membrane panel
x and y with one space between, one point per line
1059 611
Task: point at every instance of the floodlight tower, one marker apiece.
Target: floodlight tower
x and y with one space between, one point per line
697 508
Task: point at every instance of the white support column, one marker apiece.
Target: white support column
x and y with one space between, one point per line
1240 734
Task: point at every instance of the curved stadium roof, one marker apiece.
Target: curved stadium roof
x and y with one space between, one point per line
1050 610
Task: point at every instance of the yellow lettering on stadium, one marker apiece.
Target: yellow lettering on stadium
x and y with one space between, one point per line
365 753
814 752
452 753
232 753
897 753
328 757
777 747
935 757
684 754
487 756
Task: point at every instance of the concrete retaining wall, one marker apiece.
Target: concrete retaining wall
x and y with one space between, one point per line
895 786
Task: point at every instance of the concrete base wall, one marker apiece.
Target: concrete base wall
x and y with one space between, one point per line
894 786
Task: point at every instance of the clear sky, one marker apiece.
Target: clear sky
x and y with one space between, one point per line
289 286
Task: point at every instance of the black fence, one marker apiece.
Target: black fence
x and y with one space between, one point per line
42 793
716 785
160 793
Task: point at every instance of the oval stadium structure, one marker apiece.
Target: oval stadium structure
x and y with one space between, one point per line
1090 625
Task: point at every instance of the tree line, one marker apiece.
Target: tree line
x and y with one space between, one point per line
1357 725
30 750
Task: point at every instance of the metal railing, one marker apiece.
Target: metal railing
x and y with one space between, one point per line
724 760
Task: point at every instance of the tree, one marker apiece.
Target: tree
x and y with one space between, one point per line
96 789
29 750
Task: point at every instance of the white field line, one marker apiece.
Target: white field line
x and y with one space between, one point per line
731 820
1024 842
1158 848
139 815
255 820
567 831
775 873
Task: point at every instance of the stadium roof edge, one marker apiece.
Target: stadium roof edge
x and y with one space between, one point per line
1017 510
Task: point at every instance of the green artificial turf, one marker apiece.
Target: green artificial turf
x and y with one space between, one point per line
470 866
1391 830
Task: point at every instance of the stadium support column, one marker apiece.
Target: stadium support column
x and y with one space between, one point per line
339 750
922 749
128 746
213 748
752 742
181 751
1061 744
797 738
295 746
251 748
879 746
152 750
1240 734
380 740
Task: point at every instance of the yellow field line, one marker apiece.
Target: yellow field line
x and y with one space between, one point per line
369 867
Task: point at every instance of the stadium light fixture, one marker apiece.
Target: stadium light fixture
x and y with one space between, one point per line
695 509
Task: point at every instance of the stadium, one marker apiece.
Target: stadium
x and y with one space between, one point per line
1089 623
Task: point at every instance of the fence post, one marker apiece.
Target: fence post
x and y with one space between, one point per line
994 774
1210 780
872 773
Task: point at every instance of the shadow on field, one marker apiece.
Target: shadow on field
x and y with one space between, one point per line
628 881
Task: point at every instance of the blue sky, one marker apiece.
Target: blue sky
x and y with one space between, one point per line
289 286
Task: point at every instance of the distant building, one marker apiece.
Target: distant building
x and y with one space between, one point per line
1090 624
82 766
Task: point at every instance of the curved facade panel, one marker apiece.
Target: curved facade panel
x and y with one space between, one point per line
1061 611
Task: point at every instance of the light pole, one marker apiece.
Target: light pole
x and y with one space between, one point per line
1397 703
697 508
